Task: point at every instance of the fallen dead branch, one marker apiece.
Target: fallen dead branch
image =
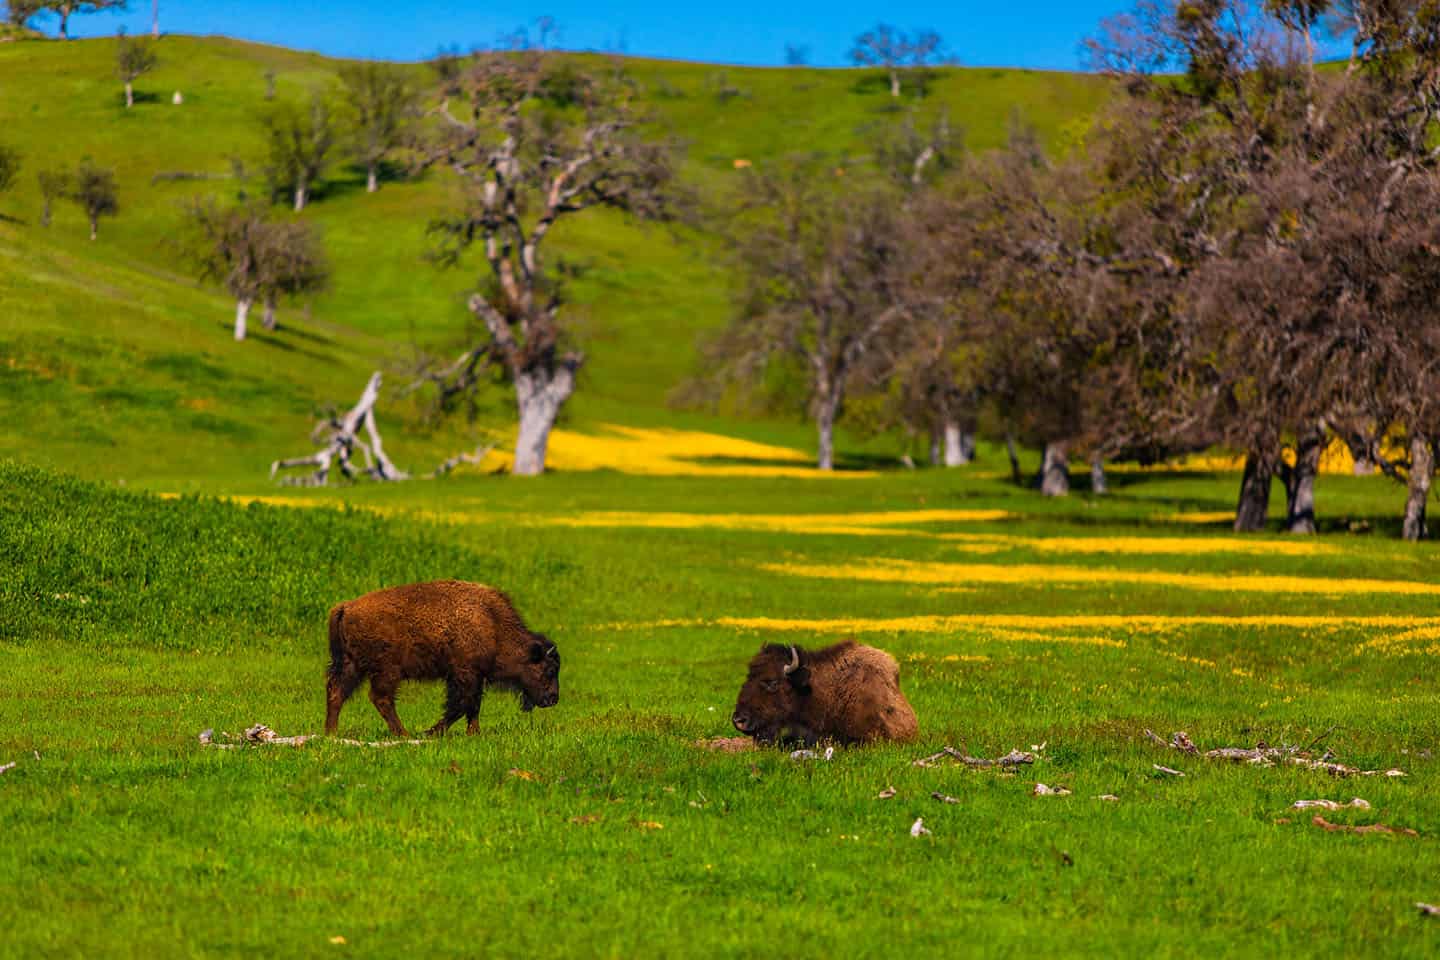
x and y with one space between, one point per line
726 744
918 828
1355 803
339 444
1169 771
1041 790
812 755
7 766
1324 824
1108 796
1263 755
261 735
1012 759
885 794
944 797
474 459
1427 909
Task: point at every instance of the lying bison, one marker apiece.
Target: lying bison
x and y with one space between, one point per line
846 692
466 634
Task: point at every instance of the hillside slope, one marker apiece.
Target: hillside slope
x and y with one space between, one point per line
111 352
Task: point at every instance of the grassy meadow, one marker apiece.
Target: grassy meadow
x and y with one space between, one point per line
155 584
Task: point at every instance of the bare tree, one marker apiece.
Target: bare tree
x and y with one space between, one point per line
133 58
54 185
796 55
65 9
823 282
528 164
19 12
383 108
895 51
299 140
290 264
93 189
253 256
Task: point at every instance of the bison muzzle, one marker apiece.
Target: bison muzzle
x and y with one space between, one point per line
466 634
848 692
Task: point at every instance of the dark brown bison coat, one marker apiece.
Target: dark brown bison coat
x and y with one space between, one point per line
465 634
847 692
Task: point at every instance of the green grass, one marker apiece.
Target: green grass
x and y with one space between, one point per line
131 623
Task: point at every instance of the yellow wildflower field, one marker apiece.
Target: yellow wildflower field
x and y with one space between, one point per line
671 453
1173 546
917 572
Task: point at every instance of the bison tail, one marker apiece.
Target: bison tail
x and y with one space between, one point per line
337 639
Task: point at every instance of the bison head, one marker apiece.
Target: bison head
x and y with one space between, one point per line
539 674
775 692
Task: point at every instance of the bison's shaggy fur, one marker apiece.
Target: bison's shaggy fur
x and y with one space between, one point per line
847 692
466 634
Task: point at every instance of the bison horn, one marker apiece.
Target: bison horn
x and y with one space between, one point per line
794 663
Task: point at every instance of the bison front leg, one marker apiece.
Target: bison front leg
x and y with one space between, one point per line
382 694
472 714
458 702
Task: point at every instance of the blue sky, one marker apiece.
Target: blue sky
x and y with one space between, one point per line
1039 33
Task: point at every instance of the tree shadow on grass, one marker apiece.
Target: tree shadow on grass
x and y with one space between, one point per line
277 339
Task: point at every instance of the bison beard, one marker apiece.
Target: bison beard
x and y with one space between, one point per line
847 692
466 634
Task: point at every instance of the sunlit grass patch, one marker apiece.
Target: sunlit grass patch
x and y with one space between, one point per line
916 572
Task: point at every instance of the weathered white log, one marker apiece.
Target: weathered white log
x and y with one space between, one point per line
474 459
340 444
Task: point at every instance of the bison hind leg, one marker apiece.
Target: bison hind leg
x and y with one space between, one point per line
340 683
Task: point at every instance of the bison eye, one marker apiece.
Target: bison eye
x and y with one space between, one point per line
537 652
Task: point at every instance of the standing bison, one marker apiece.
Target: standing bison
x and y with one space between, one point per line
846 692
466 634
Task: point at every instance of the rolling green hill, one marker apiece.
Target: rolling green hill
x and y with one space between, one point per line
122 364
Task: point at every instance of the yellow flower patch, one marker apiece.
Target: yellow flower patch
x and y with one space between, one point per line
1133 623
856 524
1171 546
907 571
671 453
1214 516
1408 642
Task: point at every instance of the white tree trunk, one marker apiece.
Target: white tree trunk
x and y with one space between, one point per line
959 446
1422 469
94 227
1300 488
1097 476
1055 470
539 399
267 319
894 83
825 415
129 95
242 313
302 193
372 179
